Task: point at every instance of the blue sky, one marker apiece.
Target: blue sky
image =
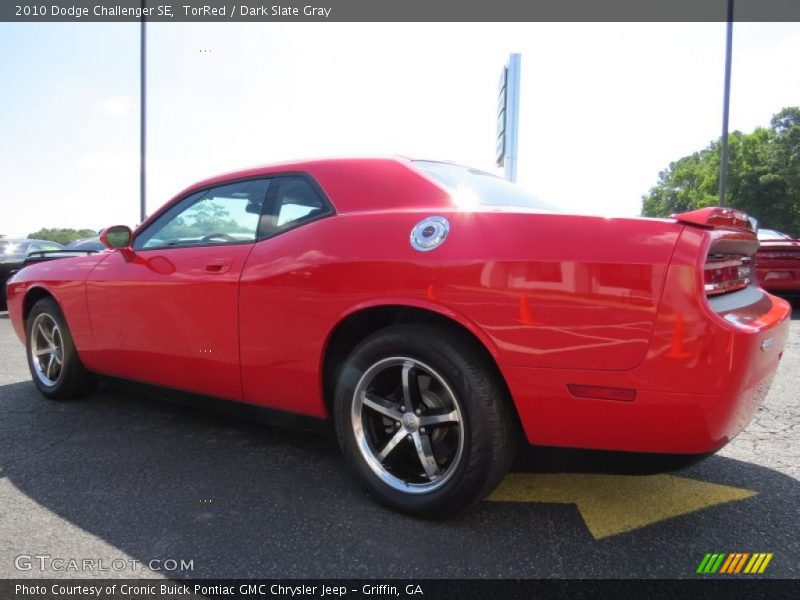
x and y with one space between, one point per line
604 107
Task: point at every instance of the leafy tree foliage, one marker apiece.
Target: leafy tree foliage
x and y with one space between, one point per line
763 176
206 216
62 236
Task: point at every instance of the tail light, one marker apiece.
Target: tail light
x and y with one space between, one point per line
729 264
726 273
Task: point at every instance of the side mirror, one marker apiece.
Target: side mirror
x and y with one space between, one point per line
118 237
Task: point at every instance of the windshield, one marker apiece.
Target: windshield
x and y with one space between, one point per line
771 234
471 188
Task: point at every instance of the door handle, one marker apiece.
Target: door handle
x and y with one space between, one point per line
217 266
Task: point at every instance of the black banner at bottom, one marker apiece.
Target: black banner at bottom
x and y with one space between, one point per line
422 589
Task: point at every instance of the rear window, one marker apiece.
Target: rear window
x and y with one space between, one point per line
770 234
471 187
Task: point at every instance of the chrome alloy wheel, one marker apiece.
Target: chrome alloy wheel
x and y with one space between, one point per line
408 425
47 349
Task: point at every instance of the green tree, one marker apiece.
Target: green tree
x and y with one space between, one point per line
206 216
763 176
62 235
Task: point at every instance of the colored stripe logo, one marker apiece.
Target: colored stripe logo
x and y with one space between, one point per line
734 562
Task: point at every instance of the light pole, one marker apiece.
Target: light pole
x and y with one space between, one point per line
143 116
723 156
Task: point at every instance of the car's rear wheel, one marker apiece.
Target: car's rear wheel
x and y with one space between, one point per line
423 421
53 361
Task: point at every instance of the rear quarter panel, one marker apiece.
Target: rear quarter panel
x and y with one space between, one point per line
704 375
540 290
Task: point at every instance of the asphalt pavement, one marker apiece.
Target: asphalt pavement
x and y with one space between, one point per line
122 479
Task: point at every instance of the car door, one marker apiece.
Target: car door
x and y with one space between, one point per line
169 316
279 312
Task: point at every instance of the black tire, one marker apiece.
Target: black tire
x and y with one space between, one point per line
486 420
71 379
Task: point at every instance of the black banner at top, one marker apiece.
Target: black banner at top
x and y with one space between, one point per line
395 10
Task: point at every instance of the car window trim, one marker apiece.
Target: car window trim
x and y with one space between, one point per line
330 211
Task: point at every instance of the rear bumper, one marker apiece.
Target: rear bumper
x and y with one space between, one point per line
699 386
656 421
780 279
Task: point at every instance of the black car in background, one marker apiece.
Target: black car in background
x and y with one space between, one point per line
92 244
77 248
13 252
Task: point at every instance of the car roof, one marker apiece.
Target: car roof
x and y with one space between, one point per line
299 165
352 184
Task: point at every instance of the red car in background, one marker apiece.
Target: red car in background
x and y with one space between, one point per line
778 262
429 311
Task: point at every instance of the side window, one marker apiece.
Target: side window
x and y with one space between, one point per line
291 200
227 214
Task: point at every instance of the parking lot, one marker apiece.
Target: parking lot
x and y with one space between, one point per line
127 478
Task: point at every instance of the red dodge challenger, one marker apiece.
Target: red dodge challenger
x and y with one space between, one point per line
431 311
778 262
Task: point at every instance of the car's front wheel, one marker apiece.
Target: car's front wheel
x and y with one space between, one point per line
53 361
423 420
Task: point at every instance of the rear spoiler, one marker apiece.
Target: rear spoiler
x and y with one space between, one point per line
715 217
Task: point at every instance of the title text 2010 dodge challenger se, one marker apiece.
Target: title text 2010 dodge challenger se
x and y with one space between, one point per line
431 311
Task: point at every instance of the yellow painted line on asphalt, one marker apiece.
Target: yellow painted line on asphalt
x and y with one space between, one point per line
614 504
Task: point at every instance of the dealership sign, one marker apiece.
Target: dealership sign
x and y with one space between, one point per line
508 117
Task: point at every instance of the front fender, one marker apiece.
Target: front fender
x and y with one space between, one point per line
62 279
